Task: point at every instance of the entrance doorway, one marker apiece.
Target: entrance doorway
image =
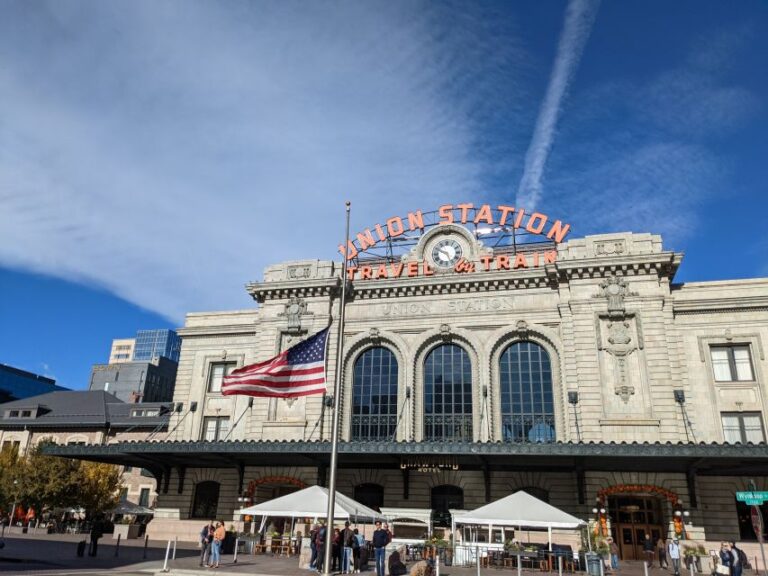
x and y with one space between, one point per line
634 517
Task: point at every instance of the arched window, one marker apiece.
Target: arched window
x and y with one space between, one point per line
448 394
374 395
527 406
372 495
206 500
444 498
536 492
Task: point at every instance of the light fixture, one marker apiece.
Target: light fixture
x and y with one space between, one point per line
686 513
602 510
594 510
678 512
573 397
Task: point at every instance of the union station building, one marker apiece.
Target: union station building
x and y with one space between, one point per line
484 352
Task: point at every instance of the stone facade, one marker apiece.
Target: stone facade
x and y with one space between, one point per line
630 351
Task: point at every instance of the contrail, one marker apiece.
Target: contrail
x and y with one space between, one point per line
579 17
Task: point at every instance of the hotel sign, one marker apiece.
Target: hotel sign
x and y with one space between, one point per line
498 218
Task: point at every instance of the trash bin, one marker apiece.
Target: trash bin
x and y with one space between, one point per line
593 563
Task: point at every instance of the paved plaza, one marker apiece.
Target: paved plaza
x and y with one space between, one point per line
56 554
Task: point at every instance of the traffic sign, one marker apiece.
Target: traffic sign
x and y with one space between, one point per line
752 498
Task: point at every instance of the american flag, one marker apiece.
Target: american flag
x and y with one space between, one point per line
298 371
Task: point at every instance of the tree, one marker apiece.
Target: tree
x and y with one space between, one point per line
101 485
52 482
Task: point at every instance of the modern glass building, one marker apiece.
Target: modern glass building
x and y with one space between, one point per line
155 343
16 384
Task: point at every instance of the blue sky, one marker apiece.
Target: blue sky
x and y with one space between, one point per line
155 157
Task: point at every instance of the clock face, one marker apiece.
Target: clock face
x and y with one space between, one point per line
446 253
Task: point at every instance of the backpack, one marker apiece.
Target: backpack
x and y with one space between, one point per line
743 560
356 541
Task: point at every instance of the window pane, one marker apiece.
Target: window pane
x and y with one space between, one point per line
374 395
223 428
448 394
743 363
720 365
210 429
527 400
753 428
731 429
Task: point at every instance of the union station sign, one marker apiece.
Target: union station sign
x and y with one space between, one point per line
446 243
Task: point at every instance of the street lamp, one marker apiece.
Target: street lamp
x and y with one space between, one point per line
13 508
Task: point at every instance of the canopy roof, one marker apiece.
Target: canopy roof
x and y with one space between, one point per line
313 502
519 509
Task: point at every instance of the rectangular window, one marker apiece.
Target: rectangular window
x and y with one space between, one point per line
217 373
127 469
123 494
13 414
144 497
732 363
743 427
215 428
26 413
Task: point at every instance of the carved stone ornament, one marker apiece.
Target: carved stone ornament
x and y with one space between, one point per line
295 308
445 331
521 327
609 248
375 335
620 348
615 289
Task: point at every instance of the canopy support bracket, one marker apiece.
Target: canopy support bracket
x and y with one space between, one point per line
182 472
406 483
581 484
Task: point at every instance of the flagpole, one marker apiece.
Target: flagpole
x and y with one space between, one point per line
336 408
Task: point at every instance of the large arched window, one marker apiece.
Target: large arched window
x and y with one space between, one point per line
372 495
527 406
374 395
445 497
448 394
206 500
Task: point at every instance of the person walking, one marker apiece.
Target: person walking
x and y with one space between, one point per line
320 542
336 550
97 531
673 552
726 558
357 546
380 540
218 538
346 540
661 547
206 539
614 550
649 550
313 548
739 559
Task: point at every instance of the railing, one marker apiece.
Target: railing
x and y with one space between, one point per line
528 428
448 427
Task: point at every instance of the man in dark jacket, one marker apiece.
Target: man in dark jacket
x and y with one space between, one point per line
206 538
97 531
320 540
380 540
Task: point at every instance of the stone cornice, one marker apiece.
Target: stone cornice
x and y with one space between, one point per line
220 330
661 264
262 291
720 305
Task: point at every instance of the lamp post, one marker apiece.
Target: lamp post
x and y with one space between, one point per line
681 515
13 508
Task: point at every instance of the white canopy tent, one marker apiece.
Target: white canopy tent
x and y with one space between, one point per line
312 502
520 510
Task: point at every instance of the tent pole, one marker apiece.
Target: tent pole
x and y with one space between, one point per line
549 537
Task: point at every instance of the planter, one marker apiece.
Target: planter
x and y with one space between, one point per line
126 531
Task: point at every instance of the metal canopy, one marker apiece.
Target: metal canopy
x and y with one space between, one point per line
705 459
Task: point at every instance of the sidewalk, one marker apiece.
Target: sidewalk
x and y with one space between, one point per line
56 553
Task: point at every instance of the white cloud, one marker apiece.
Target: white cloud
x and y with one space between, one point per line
169 151
579 17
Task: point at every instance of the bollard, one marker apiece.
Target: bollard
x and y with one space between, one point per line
692 567
146 541
477 559
560 565
175 539
167 553
237 542
437 564
3 533
645 567
117 546
519 565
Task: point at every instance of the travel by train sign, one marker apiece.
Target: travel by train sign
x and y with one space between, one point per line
372 253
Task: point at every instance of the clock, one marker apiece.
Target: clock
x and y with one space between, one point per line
446 253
